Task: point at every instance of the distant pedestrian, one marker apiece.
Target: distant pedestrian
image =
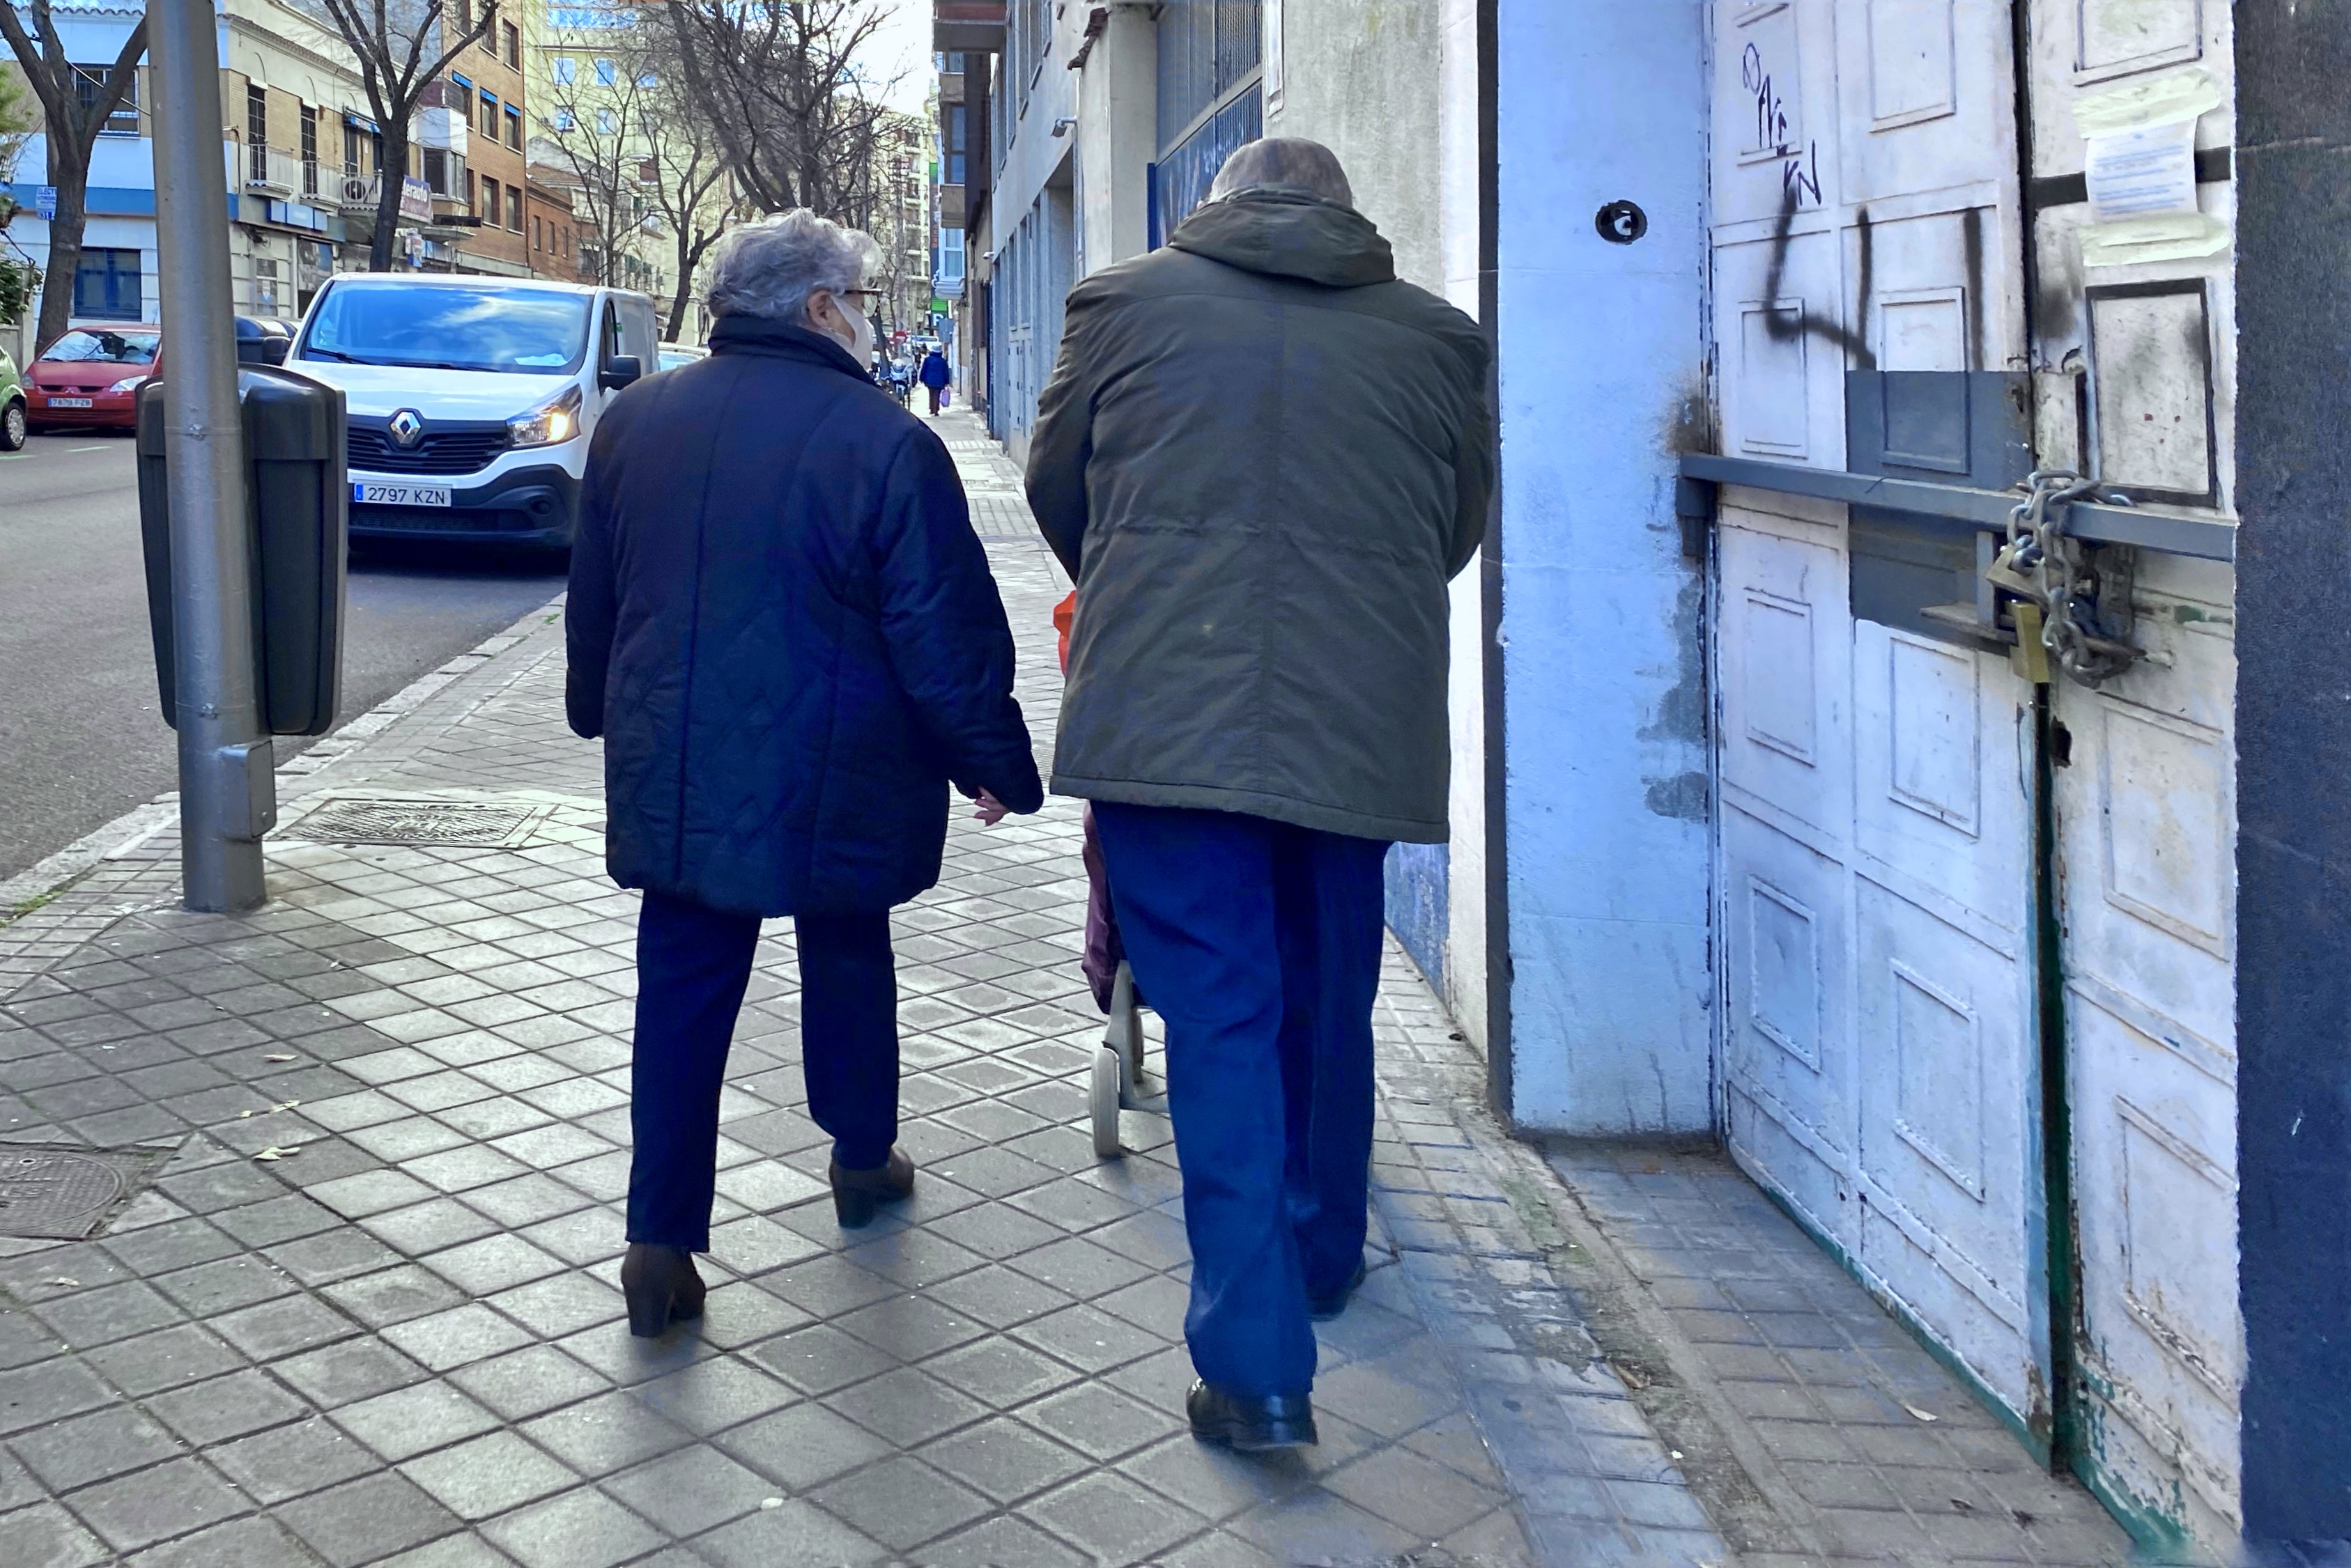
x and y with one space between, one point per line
936 377
785 630
1261 457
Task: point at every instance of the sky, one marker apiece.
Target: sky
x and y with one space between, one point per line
903 48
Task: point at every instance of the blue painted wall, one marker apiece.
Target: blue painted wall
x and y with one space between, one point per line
1608 834
1417 912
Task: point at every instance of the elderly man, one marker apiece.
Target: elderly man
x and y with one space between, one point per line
1261 457
784 629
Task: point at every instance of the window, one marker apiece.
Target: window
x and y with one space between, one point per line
353 135
90 80
470 204
534 234
489 38
256 134
567 70
958 132
108 287
514 128
607 74
490 116
436 171
309 150
513 35
564 121
457 97
514 208
465 16
604 121
490 204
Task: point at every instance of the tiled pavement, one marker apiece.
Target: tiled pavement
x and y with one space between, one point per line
402 1342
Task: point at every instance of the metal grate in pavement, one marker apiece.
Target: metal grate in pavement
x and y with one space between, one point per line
474 824
56 1193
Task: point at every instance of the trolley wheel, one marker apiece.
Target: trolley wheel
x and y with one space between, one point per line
1124 1034
1104 1100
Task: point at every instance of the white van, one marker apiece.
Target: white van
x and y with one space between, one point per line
471 400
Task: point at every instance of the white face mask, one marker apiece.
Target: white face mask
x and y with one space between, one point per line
860 340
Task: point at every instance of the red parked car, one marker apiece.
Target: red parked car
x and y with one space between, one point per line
90 379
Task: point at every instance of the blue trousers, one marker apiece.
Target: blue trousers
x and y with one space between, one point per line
693 966
1258 944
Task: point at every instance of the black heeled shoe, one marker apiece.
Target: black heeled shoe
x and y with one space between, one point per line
661 1286
1250 1423
856 1194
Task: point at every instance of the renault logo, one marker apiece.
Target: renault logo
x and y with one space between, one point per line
406 426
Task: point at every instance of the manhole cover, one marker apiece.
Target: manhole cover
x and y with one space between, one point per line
471 823
55 1192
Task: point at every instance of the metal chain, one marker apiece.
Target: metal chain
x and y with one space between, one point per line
2039 563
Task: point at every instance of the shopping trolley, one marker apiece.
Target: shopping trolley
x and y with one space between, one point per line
1118 1081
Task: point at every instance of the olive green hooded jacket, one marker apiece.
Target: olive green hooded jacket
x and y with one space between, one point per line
1261 457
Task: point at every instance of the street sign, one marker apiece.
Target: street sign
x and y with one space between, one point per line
45 203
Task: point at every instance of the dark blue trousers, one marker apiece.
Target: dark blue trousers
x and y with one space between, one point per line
1258 944
693 966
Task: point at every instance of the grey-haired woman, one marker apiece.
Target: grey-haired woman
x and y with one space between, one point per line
784 629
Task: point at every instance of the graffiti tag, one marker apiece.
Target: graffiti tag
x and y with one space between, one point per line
1799 166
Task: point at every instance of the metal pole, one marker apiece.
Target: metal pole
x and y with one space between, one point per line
227 792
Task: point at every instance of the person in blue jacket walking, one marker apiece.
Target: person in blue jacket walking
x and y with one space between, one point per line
785 630
936 377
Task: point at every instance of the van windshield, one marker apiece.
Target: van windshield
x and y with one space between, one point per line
519 331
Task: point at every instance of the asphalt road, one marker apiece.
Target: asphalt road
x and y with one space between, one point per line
80 738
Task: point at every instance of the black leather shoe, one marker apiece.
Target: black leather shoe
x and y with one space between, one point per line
857 1193
661 1286
1322 1309
1250 1423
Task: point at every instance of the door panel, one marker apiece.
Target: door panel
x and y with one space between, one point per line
1876 835
2146 810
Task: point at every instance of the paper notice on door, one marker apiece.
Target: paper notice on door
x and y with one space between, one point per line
2138 173
2159 101
2167 236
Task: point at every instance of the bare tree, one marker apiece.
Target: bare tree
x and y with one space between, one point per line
394 39
72 114
691 190
598 129
784 87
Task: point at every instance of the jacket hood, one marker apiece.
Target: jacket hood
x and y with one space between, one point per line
779 339
1288 231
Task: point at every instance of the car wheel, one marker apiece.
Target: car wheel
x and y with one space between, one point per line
14 426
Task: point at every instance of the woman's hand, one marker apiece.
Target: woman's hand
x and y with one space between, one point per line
991 810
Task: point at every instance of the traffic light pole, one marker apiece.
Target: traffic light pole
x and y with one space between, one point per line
227 792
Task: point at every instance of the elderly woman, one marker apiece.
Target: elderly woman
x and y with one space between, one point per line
784 629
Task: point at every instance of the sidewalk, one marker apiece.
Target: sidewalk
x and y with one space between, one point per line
364 1310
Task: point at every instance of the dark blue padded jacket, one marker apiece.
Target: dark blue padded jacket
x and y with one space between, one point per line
785 630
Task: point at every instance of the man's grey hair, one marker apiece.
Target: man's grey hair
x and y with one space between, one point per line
769 268
1284 161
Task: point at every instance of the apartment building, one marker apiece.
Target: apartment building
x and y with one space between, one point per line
299 136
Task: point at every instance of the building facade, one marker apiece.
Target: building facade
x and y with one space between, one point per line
2009 964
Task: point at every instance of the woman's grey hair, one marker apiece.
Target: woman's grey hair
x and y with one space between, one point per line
1284 161
769 268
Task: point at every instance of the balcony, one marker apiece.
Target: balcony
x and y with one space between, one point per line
274 172
967 26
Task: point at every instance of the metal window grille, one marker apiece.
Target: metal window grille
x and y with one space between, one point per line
309 150
256 134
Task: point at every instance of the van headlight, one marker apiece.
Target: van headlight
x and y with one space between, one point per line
548 423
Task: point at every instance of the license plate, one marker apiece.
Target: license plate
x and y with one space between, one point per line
56 402
400 494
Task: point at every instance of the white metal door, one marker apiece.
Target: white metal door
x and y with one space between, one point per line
1876 873
2146 817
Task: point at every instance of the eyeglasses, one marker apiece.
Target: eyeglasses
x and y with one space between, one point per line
863 293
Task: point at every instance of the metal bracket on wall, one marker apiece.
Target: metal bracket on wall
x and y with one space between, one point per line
1964 507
